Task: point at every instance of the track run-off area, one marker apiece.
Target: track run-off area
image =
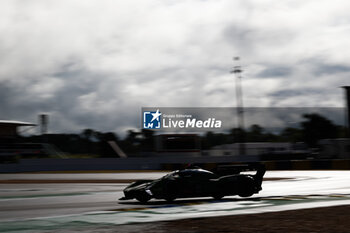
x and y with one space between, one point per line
58 201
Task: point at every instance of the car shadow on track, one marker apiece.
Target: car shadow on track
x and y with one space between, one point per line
191 201
194 201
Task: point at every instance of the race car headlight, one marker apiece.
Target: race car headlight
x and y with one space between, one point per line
149 192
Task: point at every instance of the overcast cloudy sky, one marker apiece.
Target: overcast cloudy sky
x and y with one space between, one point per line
95 63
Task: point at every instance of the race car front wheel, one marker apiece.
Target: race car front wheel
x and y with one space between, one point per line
218 196
170 198
143 198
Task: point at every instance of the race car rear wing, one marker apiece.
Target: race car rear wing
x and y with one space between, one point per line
232 169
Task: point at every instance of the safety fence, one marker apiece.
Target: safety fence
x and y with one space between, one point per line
339 164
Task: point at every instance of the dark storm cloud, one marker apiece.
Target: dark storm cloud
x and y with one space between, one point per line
83 96
305 96
67 106
276 72
216 91
324 69
6 98
293 93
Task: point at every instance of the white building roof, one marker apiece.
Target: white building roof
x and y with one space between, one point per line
16 123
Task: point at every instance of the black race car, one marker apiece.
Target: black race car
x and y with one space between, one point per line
197 182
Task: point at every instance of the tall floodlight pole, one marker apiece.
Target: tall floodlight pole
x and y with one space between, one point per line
237 71
347 98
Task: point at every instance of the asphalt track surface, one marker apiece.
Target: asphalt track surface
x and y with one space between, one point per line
38 203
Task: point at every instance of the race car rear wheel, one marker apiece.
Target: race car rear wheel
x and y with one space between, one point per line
247 187
245 194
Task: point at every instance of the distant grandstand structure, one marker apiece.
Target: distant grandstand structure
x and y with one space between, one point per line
9 130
